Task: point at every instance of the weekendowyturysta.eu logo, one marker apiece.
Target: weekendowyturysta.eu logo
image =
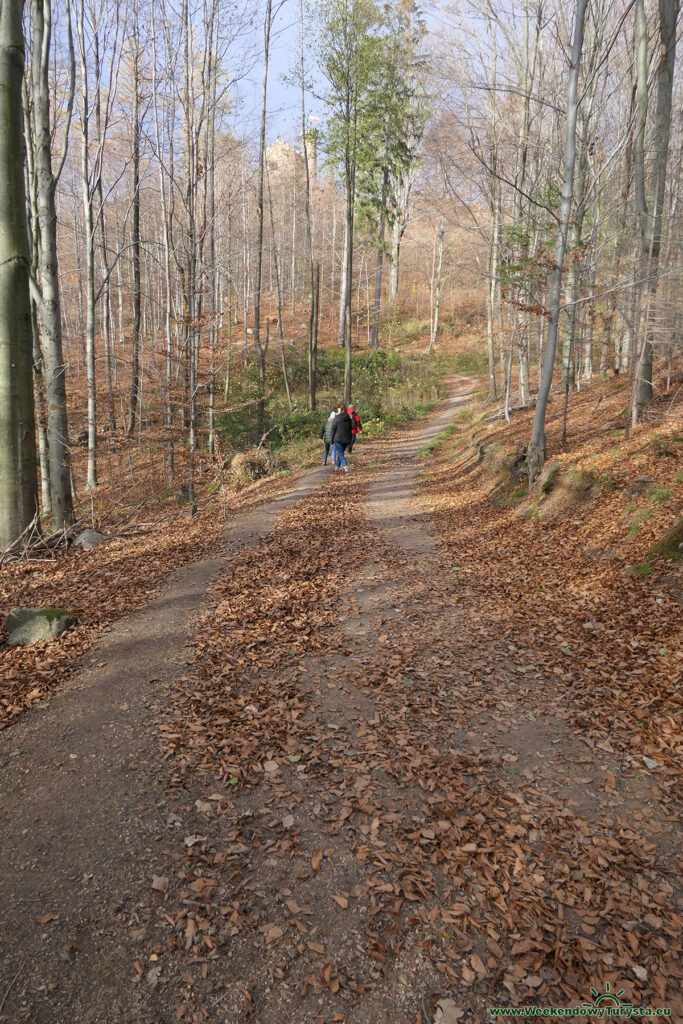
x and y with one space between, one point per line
605 1005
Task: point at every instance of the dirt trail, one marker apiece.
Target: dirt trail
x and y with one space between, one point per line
362 807
78 797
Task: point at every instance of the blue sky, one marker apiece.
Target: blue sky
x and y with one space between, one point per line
284 99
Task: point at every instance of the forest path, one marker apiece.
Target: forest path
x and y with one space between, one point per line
363 806
73 798
74 801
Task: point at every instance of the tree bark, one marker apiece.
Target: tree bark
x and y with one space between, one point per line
18 479
374 337
536 450
343 289
89 231
650 220
49 306
260 349
435 296
135 241
314 276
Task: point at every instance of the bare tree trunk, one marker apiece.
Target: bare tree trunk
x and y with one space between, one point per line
536 450
278 285
260 349
49 304
402 192
650 220
343 290
521 248
573 275
18 480
435 291
89 232
374 337
38 366
314 278
213 272
106 268
492 290
313 334
166 218
293 260
135 242
348 275
395 256
229 283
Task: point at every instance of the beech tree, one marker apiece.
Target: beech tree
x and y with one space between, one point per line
260 347
44 232
536 449
649 211
18 479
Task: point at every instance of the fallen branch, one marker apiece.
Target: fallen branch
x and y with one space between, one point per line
11 986
140 529
31 541
513 408
22 540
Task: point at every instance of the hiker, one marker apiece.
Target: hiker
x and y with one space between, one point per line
340 436
325 435
356 427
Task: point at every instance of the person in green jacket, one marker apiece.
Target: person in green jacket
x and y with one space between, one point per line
326 435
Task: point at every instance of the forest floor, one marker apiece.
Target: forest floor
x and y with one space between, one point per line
390 753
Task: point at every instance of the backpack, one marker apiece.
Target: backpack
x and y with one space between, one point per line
356 423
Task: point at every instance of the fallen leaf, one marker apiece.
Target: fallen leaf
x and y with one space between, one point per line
448 1012
273 934
193 840
153 975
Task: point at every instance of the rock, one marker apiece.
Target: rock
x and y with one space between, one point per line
251 465
640 484
89 539
29 625
602 556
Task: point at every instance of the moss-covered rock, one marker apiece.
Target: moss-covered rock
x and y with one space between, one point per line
89 539
251 465
671 544
29 625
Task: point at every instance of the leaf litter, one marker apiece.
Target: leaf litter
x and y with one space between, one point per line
465 885
437 881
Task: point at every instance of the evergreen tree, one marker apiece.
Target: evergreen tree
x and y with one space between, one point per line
350 56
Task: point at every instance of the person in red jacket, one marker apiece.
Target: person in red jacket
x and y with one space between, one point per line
356 427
